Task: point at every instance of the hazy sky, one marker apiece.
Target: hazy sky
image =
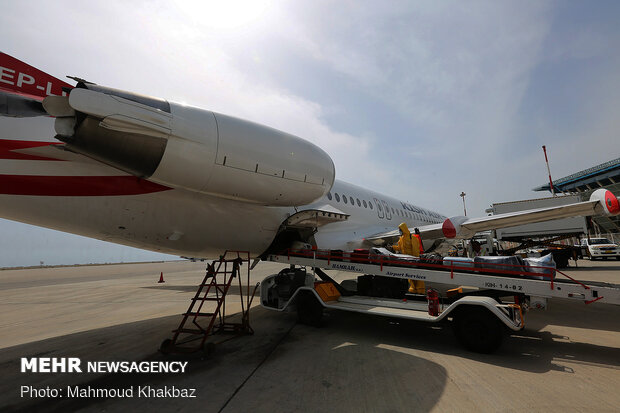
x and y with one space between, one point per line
418 100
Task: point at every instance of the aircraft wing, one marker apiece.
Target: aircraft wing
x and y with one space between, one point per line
427 232
601 201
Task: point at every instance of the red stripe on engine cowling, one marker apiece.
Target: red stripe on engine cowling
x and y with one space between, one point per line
76 185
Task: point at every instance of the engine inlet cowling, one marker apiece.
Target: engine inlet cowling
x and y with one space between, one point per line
191 148
608 202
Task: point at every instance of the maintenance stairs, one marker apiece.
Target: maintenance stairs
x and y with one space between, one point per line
205 320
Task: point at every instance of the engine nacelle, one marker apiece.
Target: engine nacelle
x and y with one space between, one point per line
191 148
451 228
608 202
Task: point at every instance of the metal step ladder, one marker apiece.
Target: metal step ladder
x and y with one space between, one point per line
205 320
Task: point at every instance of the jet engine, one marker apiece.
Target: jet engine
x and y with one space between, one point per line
186 147
608 202
451 228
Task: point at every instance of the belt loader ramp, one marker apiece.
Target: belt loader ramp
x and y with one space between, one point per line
479 316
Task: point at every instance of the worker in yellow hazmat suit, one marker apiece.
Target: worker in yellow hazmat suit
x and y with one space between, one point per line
410 245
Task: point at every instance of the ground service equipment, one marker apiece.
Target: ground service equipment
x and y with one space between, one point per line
479 314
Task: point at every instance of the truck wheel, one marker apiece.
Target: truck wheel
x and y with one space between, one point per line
478 330
309 310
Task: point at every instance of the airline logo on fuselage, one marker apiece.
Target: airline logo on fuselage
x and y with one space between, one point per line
413 208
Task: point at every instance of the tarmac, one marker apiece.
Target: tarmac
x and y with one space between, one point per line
566 359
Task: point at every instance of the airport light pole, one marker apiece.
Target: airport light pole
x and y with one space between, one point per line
464 209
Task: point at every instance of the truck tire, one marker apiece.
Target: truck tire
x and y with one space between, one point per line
478 330
309 310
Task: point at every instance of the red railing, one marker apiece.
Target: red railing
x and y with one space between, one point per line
547 273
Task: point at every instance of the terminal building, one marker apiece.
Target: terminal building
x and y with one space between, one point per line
605 175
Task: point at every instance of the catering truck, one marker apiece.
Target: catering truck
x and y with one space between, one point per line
545 237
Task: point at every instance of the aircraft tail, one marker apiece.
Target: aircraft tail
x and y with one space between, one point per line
23 87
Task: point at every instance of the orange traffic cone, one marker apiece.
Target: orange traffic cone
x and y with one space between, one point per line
161 278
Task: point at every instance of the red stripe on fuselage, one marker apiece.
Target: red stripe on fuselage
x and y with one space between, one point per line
8 146
76 185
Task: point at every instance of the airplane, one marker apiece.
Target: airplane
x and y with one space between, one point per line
153 174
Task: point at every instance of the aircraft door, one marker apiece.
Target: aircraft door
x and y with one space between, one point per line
388 214
379 208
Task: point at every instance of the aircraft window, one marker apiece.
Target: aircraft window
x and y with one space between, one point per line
365 204
337 198
379 207
370 205
393 211
352 201
344 199
329 196
359 204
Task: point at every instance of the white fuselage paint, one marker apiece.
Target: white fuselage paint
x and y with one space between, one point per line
184 222
385 215
205 226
